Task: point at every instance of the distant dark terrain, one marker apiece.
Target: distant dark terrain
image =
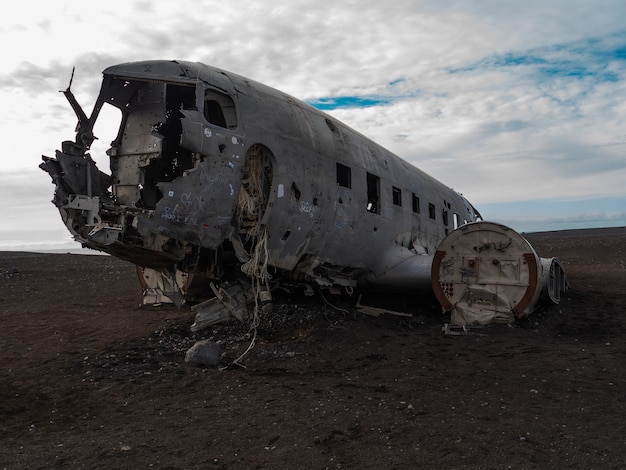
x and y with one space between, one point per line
89 379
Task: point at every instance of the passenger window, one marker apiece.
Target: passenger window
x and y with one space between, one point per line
431 211
373 193
397 196
219 109
344 176
416 204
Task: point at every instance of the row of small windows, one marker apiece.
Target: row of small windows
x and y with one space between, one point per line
344 179
219 109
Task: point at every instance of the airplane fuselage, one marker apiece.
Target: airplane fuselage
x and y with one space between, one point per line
210 169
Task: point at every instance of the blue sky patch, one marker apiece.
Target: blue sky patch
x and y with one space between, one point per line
337 102
620 53
366 101
576 60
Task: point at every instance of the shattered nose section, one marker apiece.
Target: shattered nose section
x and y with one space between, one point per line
80 189
175 172
488 273
89 211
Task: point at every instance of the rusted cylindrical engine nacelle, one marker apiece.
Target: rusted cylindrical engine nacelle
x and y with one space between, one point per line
488 273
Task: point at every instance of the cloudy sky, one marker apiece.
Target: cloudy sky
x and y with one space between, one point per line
520 106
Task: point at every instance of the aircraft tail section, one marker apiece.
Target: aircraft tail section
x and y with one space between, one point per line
488 273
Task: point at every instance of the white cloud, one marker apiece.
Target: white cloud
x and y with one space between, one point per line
502 100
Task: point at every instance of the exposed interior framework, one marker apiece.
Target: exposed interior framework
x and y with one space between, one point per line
253 199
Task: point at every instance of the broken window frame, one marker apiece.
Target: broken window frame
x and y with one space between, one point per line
373 193
130 96
219 109
344 176
396 194
432 212
416 203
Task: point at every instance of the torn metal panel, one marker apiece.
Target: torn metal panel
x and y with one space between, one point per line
163 287
230 302
377 311
197 208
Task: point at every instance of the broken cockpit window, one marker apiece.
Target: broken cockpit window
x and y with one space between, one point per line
147 148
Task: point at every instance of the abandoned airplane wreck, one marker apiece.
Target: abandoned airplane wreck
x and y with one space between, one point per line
221 185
